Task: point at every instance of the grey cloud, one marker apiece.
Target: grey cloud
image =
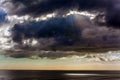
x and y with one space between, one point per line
40 7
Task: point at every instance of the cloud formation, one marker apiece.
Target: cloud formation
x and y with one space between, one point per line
74 29
37 8
66 30
71 30
40 7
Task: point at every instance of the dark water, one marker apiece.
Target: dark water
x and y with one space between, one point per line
59 75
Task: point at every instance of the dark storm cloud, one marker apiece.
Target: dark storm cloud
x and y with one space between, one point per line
61 7
40 7
65 30
71 30
58 31
113 16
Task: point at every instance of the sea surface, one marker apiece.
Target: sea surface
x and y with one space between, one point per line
64 65
58 75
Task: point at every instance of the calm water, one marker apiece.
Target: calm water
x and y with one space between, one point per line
59 75
46 68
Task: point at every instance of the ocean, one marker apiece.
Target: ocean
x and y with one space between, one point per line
58 75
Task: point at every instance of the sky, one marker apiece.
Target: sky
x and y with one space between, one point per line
2 16
49 23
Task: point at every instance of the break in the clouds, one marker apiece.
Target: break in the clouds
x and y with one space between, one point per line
2 16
